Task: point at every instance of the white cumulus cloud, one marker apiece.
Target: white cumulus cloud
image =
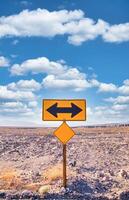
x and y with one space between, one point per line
16 108
107 87
117 33
124 89
86 29
4 62
38 65
7 94
119 107
24 85
118 100
104 87
58 75
52 81
74 24
40 22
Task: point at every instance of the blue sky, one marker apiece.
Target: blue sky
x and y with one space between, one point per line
64 49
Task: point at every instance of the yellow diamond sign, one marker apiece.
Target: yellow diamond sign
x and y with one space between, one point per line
64 133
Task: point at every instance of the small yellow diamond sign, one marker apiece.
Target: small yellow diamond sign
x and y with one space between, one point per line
64 133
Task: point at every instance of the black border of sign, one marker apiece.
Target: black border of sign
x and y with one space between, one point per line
63 100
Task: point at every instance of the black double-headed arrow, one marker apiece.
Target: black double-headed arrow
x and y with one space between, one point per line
54 110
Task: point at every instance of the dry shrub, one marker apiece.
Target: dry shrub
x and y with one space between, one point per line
33 186
53 173
10 179
56 172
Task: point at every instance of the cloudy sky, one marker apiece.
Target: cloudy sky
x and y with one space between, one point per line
64 49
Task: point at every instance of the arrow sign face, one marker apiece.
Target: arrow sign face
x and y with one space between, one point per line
58 110
74 110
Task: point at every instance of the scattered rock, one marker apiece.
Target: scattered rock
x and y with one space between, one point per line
72 163
101 174
27 194
107 178
2 194
111 172
44 189
123 173
88 148
12 196
37 173
124 195
9 197
65 190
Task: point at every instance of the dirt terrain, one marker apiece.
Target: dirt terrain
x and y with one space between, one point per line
97 164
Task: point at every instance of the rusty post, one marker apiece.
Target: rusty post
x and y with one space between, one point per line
64 166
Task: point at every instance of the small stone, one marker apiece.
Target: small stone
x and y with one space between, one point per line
63 190
27 194
101 174
124 195
44 189
2 194
106 178
27 156
123 173
72 163
8 197
111 172
68 190
37 174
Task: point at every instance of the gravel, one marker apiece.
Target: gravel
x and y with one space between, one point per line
98 163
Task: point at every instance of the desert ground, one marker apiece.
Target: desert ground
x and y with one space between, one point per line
97 164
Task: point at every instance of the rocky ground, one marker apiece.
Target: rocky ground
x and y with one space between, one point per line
97 164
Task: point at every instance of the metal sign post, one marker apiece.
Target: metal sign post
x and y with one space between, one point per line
64 167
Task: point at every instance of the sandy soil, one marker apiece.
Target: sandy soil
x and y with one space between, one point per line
97 164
